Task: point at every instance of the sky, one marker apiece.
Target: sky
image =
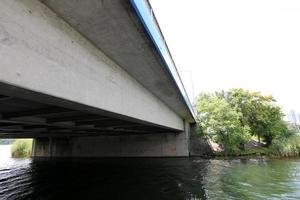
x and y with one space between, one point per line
223 44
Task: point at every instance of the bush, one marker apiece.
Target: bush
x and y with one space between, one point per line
286 147
21 148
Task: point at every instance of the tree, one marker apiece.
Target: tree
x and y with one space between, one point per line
259 112
273 125
231 117
218 121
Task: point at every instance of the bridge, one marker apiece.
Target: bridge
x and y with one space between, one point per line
90 79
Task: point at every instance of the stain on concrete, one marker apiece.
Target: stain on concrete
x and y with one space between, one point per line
4 36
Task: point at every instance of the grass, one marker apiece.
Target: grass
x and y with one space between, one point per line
21 148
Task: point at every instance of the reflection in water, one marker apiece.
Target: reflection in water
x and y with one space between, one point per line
103 179
253 179
172 178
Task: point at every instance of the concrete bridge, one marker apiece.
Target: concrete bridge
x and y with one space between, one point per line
90 79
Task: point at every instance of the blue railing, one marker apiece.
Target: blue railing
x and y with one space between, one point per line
144 11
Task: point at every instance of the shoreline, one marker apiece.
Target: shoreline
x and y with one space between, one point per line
229 157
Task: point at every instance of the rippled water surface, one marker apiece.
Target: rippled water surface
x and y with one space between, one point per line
173 178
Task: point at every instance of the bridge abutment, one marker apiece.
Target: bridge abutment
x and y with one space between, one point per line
148 145
151 145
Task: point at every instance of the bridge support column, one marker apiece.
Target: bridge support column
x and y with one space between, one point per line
151 145
198 146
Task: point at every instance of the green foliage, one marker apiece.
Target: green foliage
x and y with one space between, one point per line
21 148
249 152
286 146
6 141
218 121
259 112
231 117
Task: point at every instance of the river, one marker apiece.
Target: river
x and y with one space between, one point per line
160 178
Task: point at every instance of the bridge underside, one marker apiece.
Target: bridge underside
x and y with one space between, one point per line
84 79
25 118
75 130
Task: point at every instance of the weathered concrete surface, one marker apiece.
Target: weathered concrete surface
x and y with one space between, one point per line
114 27
156 145
42 53
153 145
198 146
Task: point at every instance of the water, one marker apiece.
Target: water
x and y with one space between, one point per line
173 178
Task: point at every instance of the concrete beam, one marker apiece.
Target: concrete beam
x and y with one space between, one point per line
42 53
124 35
